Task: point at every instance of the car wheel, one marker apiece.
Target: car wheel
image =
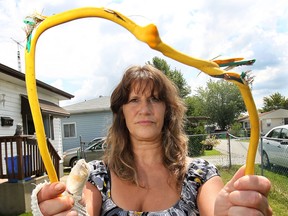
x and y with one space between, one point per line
73 162
266 162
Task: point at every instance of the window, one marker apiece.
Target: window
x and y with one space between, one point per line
284 133
48 125
69 130
268 122
275 133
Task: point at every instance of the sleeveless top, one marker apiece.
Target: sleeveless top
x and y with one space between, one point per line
199 171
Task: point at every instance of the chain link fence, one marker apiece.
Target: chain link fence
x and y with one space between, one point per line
274 155
233 151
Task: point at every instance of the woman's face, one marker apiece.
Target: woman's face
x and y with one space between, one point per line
144 115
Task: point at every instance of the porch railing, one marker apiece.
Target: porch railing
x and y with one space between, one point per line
21 160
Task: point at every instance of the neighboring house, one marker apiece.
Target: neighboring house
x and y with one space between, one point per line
245 121
271 119
268 120
15 109
88 119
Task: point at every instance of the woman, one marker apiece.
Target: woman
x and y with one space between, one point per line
145 169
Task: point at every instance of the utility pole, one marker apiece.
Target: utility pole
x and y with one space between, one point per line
18 54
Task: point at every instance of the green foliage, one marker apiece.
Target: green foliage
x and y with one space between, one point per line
194 106
175 75
222 102
210 141
26 214
195 148
236 128
275 101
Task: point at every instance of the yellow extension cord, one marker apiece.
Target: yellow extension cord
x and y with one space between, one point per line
147 34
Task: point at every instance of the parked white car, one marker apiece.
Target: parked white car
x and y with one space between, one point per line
275 147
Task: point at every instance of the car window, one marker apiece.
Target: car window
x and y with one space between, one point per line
274 133
93 141
284 133
97 146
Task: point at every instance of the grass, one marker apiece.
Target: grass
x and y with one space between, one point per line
211 152
278 196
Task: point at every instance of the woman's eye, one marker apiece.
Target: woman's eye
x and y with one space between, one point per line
133 100
154 99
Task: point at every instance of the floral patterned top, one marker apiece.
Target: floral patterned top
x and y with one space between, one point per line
199 171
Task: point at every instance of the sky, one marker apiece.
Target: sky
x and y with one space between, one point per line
87 57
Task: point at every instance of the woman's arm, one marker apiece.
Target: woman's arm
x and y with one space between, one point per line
93 199
207 195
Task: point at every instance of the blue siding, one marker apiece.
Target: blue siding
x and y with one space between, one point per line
88 126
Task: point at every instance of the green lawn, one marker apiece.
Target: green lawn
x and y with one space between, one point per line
212 152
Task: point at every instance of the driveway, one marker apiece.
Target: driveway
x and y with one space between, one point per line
238 149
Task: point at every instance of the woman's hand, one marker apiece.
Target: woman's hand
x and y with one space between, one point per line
244 195
51 202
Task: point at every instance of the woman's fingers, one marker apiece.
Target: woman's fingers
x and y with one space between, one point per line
51 201
248 194
251 194
240 211
250 199
51 191
253 183
54 206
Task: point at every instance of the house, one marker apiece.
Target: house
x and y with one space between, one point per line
87 120
273 118
14 106
268 120
15 125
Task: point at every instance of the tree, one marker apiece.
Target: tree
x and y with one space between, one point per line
275 101
194 105
222 102
175 75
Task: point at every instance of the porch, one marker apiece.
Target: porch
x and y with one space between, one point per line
21 167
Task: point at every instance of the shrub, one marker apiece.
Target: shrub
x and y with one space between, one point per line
210 142
195 148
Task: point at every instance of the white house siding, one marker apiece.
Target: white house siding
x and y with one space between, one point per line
88 126
11 107
57 142
273 119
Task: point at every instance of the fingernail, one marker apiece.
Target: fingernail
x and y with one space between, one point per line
59 187
73 213
236 184
71 200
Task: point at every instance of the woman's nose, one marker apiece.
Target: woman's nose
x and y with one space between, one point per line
145 107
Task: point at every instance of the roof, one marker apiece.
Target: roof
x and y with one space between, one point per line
51 108
101 103
279 113
47 107
21 76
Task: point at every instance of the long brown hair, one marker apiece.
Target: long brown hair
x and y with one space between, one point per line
119 155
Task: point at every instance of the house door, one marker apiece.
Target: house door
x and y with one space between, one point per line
28 125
